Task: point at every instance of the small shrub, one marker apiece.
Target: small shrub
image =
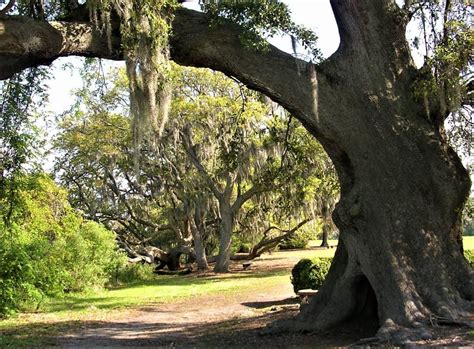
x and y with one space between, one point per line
240 245
132 272
310 273
296 241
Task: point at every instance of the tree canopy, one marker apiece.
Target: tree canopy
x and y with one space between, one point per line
224 145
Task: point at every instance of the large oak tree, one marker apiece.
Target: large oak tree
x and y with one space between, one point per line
403 187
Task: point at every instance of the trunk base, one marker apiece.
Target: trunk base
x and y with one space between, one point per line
409 315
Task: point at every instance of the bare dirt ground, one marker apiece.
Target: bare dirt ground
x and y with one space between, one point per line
237 320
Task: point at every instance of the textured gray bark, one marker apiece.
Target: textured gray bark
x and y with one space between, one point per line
199 248
225 237
402 186
324 237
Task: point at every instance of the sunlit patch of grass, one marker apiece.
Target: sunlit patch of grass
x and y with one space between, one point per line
163 289
105 304
59 315
468 242
73 309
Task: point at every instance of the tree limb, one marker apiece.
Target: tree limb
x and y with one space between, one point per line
243 198
25 42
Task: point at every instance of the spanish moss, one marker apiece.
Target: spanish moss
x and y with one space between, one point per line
145 27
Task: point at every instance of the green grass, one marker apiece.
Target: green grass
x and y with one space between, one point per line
161 290
468 242
58 315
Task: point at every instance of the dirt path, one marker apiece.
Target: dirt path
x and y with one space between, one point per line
196 322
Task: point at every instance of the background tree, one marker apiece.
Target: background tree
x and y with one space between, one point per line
20 141
97 163
237 146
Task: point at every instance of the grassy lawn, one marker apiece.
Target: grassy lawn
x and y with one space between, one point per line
468 242
58 315
160 290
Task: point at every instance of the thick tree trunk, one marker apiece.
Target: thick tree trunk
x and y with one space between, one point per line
325 237
225 238
200 251
402 186
403 189
174 262
198 230
399 260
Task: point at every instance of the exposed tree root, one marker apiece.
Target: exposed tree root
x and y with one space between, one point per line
399 335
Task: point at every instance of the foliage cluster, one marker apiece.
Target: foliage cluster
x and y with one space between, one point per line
20 97
262 20
48 249
446 42
145 26
298 240
310 273
469 254
220 137
468 218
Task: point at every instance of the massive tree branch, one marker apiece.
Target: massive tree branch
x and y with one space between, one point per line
25 42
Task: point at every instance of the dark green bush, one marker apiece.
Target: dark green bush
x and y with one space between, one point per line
310 273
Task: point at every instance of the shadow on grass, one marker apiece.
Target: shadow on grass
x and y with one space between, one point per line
199 279
195 333
78 302
267 304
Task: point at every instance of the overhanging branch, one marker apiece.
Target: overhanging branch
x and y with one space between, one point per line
25 42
